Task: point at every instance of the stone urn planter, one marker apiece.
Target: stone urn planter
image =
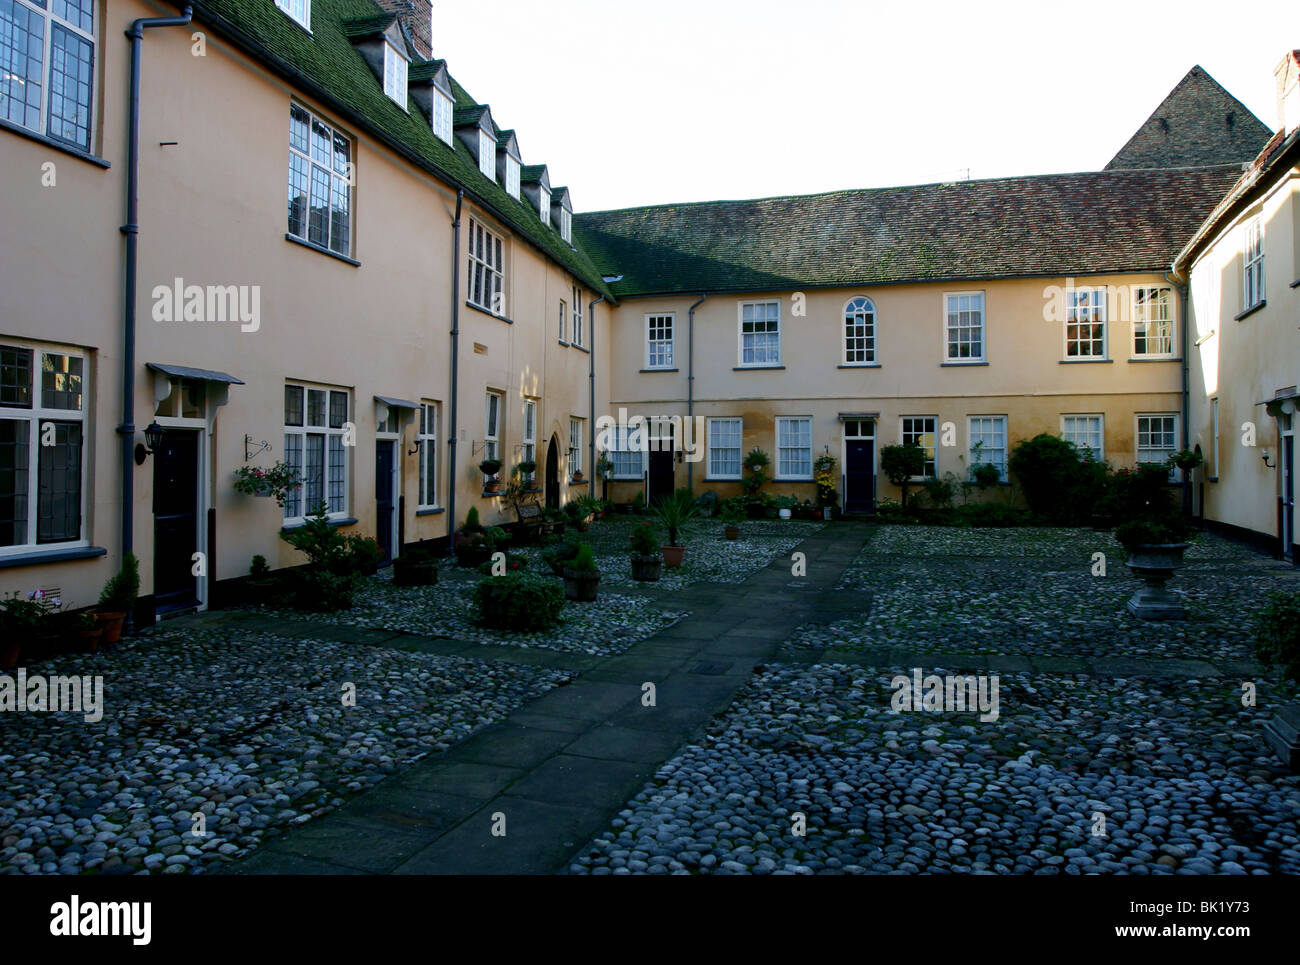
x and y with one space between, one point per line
580 586
647 569
1154 565
673 555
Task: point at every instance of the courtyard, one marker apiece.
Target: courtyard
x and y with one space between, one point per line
386 737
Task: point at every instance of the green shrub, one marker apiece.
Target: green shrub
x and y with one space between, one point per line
644 541
1148 532
561 554
991 515
123 588
514 564
986 475
363 554
892 511
1061 485
318 590
708 503
521 602
675 513
1277 634
472 525
940 491
901 464
585 560
259 569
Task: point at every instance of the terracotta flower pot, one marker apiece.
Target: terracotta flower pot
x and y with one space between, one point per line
673 556
111 624
731 532
492 486
88 640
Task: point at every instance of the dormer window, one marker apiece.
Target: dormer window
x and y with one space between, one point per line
566 225
544 206
512 177
395 75
487 155
442 116
299 10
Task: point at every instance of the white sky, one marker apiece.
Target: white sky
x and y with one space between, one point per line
654 101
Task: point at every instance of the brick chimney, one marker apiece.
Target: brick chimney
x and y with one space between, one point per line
417 17
1288 91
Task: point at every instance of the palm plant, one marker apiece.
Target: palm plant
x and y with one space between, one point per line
675 512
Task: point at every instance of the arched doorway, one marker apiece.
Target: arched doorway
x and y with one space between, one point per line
553 475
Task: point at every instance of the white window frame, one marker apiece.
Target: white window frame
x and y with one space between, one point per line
564 320
1139 449
395 68
931 469
1098 454
327 432
855 310
512 177
657 343
442 112
784 424
620 454
1085 309
544 206
575 445
487 273
303 6
976 299
487 154
341 174
427 439
1252 265
978 425
494 406
1153 305
566 224
741 333
710 426
578 333
37 415
43 125
528 447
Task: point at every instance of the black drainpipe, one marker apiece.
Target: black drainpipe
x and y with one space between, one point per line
591 376
453 427
1184 347
690 382
132 231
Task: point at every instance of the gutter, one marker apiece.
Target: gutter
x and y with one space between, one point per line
591 369
690 380
1185 443
132 232
453 424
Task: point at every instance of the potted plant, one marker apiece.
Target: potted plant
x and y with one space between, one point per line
78 632
785 506
364 553
24 623
277 481
732 512
675 513
581 577
647 563
416 567
559 555
577 476
604 469
986 474
118 597
260 583
490 468
824 478
756 463
902 464
1155 546
526 470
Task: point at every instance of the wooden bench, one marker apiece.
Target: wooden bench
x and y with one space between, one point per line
533 524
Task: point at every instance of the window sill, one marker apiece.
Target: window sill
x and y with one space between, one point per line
960 365
496 495
858 365
576 482
580 348
561 341
1296 283
50 142
38 557
335 521
1155 358
753 368
722 478
661 370
1083 361
793 479
322 249
430 511
1212 479
489 313
1250 311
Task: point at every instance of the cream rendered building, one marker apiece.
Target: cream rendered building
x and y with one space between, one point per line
341 261
1243 265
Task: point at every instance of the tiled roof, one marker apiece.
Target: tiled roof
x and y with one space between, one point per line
1052 225
326 66
367 26
1198 124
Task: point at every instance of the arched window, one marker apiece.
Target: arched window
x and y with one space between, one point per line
859 331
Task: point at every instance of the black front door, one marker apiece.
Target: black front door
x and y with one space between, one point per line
661 469
859 476
553 475
1288 497
176 519
385 498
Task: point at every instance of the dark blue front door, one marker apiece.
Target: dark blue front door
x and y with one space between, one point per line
385 501
859 476
176 519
